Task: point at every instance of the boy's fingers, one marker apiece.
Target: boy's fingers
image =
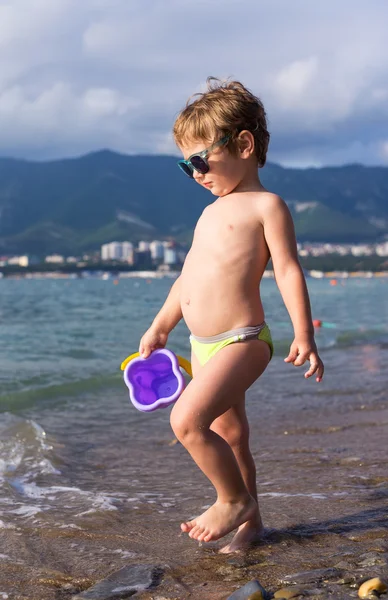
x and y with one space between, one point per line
321 370
312 369
316 366
291 356
144 351
300 360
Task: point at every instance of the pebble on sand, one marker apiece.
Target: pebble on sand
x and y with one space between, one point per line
313 576
375 585
287 593
123 583
251 591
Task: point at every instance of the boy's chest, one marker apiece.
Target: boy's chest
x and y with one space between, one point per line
231 231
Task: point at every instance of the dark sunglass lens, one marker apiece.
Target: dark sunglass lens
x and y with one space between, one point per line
199 164
186 169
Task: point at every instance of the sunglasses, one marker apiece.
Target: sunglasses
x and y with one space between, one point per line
198 162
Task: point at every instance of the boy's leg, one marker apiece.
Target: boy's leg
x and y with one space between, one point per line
218 386
233 427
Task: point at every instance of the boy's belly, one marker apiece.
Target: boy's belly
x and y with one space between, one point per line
212 305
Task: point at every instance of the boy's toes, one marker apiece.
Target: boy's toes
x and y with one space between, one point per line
194 532
188 526
203 535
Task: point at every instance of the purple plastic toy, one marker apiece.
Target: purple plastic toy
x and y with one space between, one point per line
154 382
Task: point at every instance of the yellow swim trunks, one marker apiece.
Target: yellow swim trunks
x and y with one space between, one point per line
206 347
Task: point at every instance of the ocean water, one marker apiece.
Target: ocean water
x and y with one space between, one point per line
65 337
75 455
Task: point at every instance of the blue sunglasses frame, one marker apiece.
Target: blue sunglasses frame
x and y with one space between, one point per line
188 167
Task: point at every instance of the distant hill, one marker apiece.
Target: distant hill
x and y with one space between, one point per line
74 205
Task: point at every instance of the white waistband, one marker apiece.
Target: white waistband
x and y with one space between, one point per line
240 334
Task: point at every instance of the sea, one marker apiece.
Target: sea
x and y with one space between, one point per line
87 482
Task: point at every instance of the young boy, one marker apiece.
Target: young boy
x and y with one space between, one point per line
223 137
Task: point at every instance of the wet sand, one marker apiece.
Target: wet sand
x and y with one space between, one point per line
331 511
322 474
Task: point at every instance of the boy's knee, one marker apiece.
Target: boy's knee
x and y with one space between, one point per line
183 427
179 425
236 437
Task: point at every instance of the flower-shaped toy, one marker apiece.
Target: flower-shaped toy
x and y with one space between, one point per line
156 381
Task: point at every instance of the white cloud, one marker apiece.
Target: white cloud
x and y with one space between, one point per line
293 81
384 151
77 76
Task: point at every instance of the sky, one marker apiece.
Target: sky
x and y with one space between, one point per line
81 75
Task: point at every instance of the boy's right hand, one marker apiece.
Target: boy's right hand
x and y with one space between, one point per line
151 340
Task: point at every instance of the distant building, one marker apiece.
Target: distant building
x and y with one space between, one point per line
55 258
143 260
123 251
362 250
382 249
170 256
127 252
23 261
181 255
111 251
157 250
144 246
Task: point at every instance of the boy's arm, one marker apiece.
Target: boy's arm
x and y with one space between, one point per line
170 314
166 319
280 237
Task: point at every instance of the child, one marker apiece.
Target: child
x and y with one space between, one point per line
223 137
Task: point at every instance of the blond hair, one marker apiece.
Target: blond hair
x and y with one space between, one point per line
226 108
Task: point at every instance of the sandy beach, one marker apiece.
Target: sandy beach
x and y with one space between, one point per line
89 485
323 488
328 464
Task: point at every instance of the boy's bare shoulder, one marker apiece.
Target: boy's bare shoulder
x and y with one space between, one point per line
269 204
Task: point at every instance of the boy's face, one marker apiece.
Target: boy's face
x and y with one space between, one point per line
225 173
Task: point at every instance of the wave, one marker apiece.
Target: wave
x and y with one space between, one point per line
32 480
33 393
21 400
362 336
334 339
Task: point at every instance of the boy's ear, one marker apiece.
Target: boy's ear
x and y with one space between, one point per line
246 143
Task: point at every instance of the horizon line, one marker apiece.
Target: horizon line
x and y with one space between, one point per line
163 155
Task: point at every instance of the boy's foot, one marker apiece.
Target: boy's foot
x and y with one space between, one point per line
246 535
220 519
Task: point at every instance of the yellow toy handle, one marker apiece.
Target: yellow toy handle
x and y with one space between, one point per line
183 362
128 359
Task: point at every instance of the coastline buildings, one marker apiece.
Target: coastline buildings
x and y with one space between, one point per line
146 255
121 251
20 261
170 255
157 250
325 249
55 259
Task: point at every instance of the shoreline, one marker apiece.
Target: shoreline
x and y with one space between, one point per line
322 486
109 275
323 490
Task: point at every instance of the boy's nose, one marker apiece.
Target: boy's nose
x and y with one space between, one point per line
197 176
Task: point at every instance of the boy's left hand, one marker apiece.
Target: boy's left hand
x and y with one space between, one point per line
306 349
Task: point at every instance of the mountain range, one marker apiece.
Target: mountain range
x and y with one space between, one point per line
74 205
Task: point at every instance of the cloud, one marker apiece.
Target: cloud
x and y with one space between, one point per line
78 76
